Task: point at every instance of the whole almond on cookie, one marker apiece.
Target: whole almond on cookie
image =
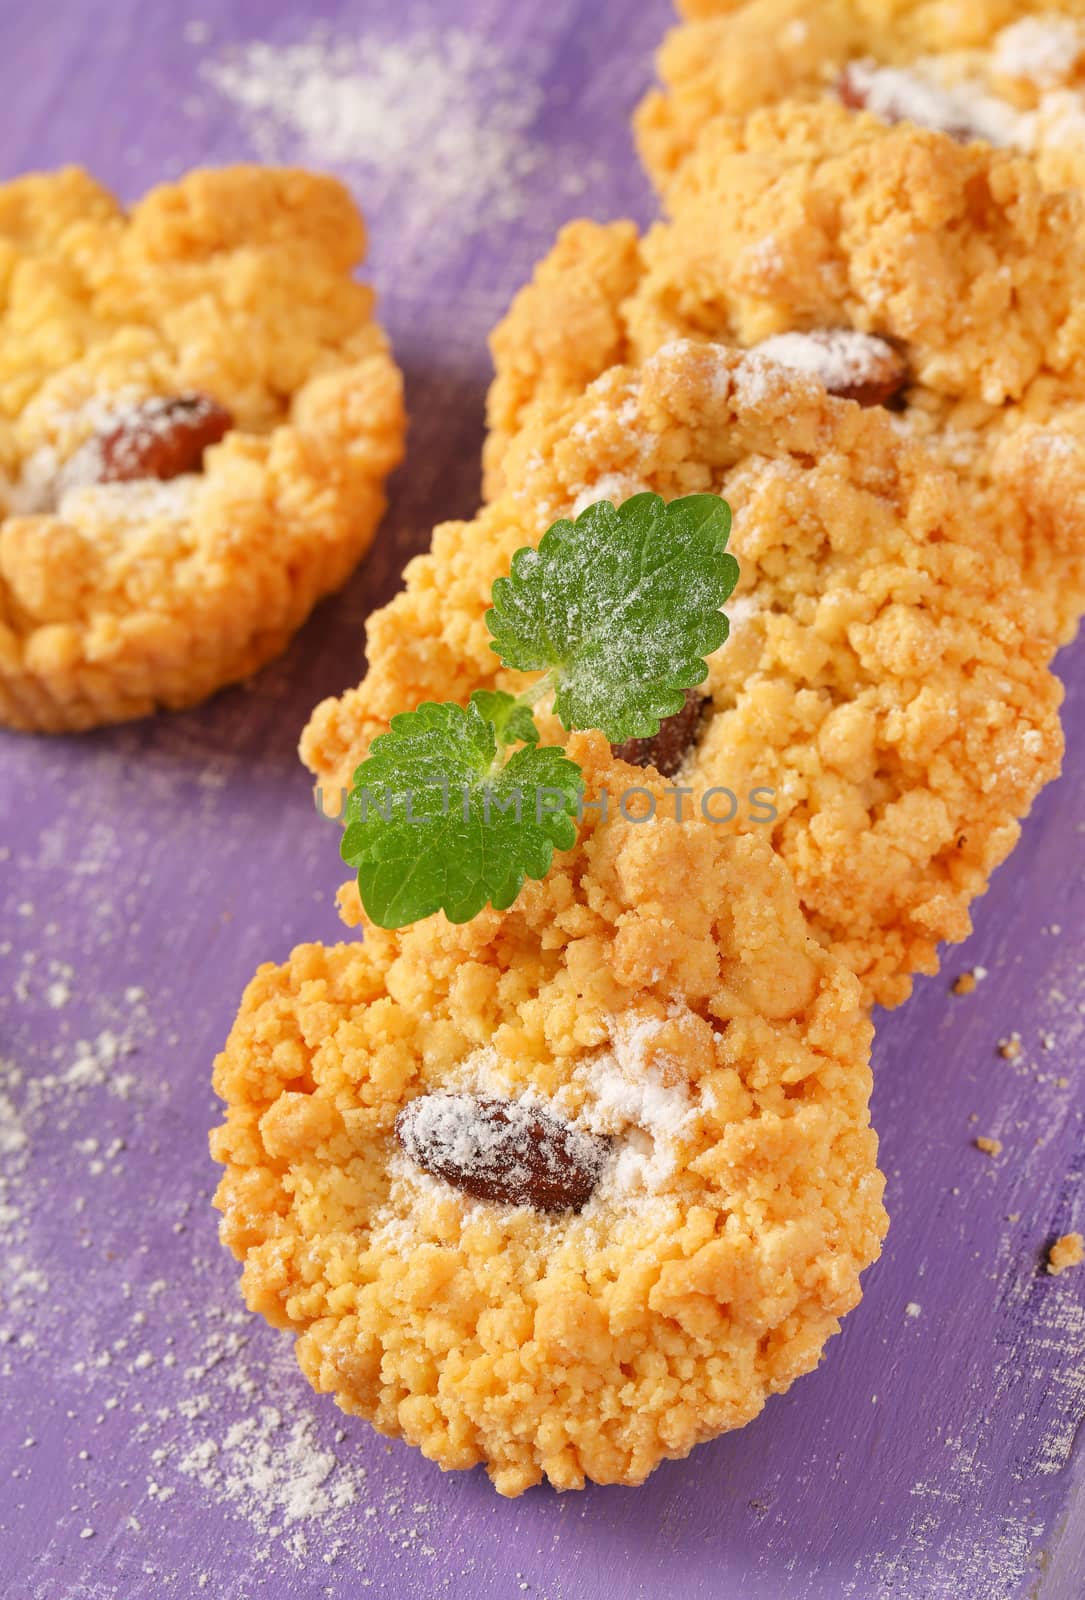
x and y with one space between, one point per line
667 749
502 1150
849 364
162 438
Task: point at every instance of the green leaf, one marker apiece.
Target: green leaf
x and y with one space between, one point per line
512 720
623 606
434 824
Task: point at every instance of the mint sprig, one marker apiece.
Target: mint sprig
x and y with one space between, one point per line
435 822
618 610
622 606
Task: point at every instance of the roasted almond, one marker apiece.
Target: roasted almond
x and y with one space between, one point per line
849 364
162 438
502 1150
667 749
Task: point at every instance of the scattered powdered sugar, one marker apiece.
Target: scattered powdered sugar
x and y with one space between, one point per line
274 1470
630 1094
35 490
439 113
64 459
964 109
951 94
1058 122
613 486
134 504
1044 49
755 380
641 1101
763 258
741 609
838 358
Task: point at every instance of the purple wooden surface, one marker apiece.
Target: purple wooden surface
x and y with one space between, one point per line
145 872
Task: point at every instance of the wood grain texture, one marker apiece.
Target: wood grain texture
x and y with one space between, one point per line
146 872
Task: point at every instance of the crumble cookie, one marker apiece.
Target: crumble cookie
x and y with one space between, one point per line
885 676
1009 72
197 415
651 1030
894 266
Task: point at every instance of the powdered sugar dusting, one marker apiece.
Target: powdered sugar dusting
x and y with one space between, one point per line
59 475
952 93
964 110
640 1099
112 506
613 486
838 358
756 380
1043 49
403 111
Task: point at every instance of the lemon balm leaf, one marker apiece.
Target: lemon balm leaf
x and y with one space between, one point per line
435 822
620 610
512 720
622 607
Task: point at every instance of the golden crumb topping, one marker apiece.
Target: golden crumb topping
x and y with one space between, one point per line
134 572
884 678
659 994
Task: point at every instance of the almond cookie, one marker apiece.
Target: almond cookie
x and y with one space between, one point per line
884 677
197 416
571 1188
894 266
1009 72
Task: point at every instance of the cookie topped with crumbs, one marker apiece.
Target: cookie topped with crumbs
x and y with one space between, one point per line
572 1187
895 267
197 416
884 678
1012 76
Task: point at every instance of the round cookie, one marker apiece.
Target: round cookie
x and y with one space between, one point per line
810 221
197 416
1011 72
885 675
659 999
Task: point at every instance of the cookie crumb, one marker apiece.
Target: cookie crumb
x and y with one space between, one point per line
965 984
990 1147
1067 1251
1009 1049
913 1308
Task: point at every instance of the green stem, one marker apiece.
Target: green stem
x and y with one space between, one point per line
530 698
535 691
